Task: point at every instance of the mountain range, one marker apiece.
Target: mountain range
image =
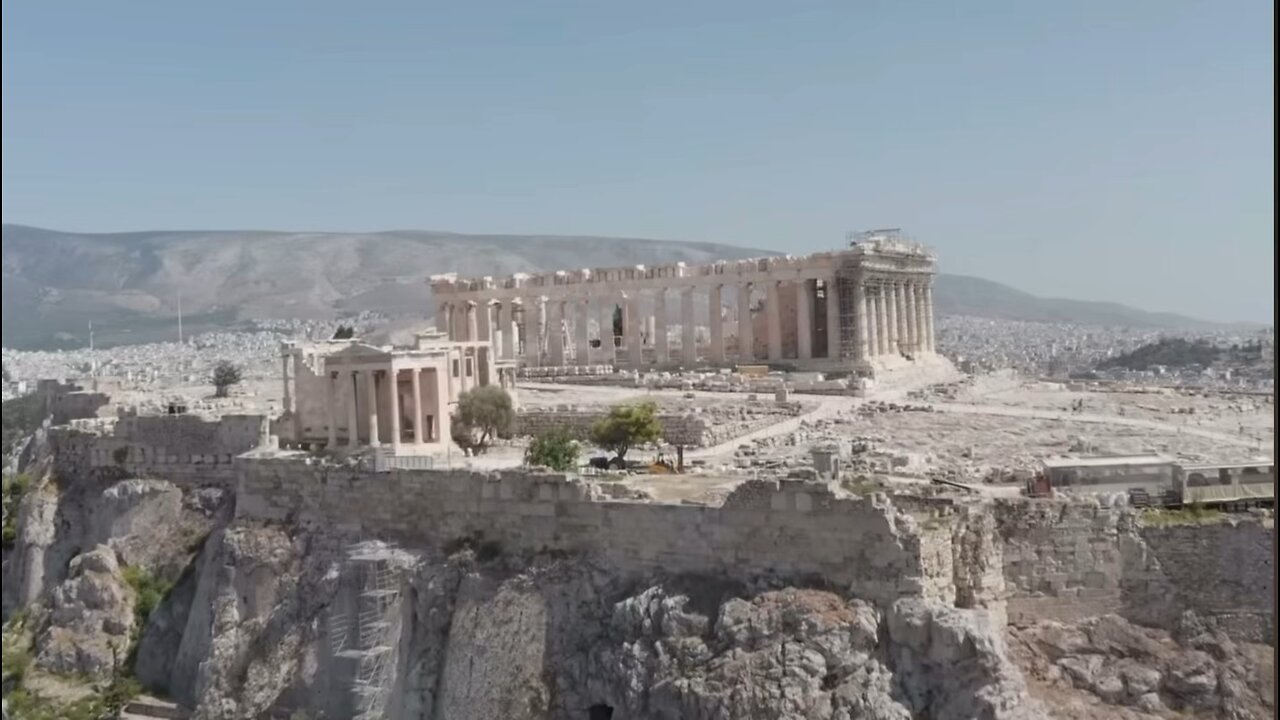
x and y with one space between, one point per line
129 285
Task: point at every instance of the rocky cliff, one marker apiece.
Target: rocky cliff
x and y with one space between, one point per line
282 618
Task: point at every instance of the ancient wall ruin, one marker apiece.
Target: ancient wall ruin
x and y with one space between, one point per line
1068 560
787 529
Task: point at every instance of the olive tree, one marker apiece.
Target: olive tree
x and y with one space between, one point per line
225 375
483 414
627 426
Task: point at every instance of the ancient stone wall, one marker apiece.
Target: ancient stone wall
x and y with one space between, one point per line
65 402
1069 560
677 429
791 529
186 450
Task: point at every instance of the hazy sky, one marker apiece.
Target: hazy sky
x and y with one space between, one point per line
1099 150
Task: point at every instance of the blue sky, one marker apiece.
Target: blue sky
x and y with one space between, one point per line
1098 150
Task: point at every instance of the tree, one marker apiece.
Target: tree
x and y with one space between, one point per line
344 332
627 426
483 414
617 324
224 376
554 449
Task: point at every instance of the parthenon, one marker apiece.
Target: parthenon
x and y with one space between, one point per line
859 309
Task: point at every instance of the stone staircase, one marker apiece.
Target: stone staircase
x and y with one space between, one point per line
143 707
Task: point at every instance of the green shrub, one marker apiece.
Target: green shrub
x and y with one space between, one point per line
15 488
149 592
554 449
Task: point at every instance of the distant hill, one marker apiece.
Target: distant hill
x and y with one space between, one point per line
128 284
966 295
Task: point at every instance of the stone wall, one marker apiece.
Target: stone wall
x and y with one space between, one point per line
184 449
677 429
785 529
69 401
1070 560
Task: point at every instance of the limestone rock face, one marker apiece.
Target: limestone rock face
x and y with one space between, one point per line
90 616
1141 672
283 624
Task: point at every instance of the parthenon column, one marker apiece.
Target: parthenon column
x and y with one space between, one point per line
917 289
607 346
555 332
507 321
913 329
891 310
904 334
746 338
882 321
393 392
688 329
715 323
862 340
529 321
928 316
873 329
353 425
773 320
804 319
416 404
444 319
582 337
631 325
661 341
472 329
484 321
833 319
371 392
331 407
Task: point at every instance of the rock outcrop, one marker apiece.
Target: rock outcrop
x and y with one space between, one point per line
90 616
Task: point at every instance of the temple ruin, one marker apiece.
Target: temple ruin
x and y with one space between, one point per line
857 309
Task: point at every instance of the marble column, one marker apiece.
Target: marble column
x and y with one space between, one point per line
353 424
862 348
773 321
444 319
913 331
715 323
555 332
392 379
331 407
506 322
631 323
804 319
484 321
661 342
928 317
444 420
532 341
900 309
416 405
873 329
746 337
582 335
472 329
607 347
921 342
834 340
371 391
891 311
882 322
688 329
